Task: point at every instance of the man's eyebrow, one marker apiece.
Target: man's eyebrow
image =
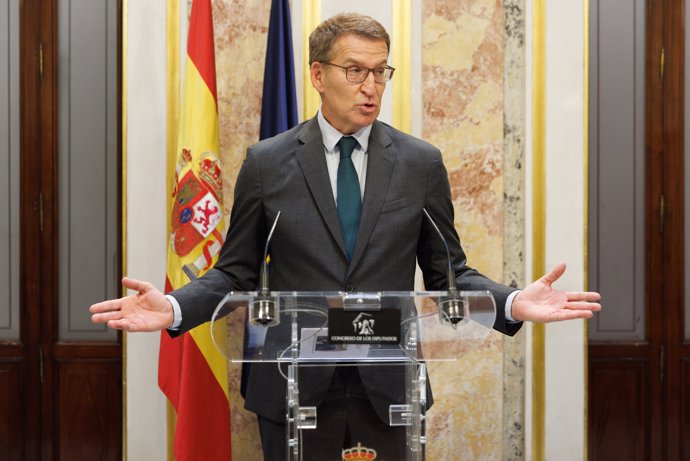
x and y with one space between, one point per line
354 62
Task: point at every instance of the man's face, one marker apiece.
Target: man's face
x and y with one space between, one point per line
350 106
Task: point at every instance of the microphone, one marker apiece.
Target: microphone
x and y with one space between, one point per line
264 310
451 309
263 276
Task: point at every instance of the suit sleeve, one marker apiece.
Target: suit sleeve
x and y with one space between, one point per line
240 258
432 254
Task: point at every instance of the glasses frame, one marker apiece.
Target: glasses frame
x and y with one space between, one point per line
368 69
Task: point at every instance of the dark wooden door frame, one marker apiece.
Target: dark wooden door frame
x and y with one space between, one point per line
666 231
40 358
658 360
664 223
655 113
31 268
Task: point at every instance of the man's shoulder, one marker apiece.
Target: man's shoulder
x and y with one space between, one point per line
285 141
401 138
405 142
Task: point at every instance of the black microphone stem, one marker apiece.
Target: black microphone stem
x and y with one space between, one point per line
263 275
451 274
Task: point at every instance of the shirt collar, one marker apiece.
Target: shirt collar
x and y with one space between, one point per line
331 136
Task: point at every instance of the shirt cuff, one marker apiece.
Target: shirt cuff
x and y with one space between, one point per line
508 307
177 313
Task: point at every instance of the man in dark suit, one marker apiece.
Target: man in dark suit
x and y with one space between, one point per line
330 238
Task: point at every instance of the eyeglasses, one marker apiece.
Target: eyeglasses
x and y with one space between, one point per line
357 74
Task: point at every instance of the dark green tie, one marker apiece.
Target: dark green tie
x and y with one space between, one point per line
349 200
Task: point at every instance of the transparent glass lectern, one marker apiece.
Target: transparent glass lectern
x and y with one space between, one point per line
295 330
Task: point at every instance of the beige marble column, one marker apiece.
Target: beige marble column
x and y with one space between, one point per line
514 221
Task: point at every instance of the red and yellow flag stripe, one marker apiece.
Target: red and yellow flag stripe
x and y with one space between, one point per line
192 372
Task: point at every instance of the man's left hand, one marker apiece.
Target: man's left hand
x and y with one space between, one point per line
541 303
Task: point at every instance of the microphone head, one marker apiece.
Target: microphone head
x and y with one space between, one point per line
264 312
452 310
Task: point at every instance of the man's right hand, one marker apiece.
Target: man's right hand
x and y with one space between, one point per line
148 310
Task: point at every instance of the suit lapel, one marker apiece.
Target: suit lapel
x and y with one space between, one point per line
380 166
312 160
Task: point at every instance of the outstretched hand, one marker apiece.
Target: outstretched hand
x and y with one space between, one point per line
541 303
148 310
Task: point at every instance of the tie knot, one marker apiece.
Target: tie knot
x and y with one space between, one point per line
347 145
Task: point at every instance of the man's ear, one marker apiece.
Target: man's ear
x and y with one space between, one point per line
316 73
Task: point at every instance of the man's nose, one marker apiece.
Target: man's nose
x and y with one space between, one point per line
369 84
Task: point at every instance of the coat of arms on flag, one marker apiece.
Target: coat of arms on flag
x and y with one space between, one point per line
196 211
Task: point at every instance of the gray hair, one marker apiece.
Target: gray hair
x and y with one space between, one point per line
321 40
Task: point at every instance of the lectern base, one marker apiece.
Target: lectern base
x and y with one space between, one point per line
346 420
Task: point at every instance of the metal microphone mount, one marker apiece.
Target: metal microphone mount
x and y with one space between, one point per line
453 309
264 312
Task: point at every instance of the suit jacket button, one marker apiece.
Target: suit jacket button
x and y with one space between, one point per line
349 288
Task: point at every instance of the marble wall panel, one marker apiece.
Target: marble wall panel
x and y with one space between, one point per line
463 100
462 74
240 30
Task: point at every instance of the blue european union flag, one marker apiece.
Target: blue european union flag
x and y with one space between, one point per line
279 104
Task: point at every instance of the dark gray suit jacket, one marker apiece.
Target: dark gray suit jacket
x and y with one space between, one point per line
288 173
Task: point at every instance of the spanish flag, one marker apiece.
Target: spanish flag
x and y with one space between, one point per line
191 371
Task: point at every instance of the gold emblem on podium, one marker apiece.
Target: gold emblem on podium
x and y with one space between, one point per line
359 453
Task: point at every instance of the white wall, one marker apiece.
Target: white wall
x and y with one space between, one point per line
565 224
145 143
565 343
